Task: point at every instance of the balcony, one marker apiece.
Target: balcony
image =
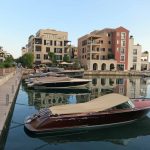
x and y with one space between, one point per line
93 43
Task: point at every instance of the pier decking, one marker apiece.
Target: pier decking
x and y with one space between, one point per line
8 90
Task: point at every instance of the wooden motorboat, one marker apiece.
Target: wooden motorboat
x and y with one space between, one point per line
107 110
117 135
57 82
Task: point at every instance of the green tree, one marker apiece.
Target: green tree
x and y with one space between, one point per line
66 58
146 52
27 60
76 64
8 62
52 57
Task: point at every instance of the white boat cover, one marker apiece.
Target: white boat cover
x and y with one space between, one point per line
99 104
51 79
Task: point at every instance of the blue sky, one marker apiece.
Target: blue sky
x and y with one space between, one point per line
21 18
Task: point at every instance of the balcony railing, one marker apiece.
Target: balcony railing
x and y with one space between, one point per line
93 43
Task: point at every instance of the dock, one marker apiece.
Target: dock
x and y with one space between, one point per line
9 85
117 73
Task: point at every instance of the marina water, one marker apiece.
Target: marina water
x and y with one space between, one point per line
129 137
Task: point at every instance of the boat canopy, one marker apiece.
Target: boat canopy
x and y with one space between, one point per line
99 104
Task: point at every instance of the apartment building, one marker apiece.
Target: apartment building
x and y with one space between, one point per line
145 61
105 49
48 40
3 54
134 55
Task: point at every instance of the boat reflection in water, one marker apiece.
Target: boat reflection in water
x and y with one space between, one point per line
118 135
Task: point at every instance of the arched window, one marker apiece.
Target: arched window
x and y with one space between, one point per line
103 66
95 66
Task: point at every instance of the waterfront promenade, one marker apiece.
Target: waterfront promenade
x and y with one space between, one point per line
9 85
117 73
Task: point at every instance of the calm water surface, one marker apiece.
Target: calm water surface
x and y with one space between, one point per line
129 137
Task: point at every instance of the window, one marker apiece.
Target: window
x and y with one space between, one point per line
45 56
103 81
120 67
38 48
109 42
135 51
122 58
123 35
57 43
124 106
82 50
102 57
38 41
48 42
37 56
108 34
134 59
94 81
57 50
123 43
84 42
58 57
47 49
121 89
120 81
122 50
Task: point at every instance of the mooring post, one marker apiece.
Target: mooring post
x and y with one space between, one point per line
7 99
12 89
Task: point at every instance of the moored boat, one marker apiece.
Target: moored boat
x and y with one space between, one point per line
107 110
57 82
69 73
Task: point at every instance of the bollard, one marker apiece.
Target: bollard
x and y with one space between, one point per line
7 99
12 89
16 82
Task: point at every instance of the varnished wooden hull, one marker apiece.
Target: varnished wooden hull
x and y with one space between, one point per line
65 123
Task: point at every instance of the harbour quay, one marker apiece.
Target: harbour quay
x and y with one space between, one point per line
117 73
9 84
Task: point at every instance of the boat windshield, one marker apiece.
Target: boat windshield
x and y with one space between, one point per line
125 105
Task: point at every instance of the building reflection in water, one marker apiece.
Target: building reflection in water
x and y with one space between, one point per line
132 87
44 99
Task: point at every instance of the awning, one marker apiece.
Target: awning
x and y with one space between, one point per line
66 63
99 104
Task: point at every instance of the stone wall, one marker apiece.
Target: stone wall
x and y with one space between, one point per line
4 71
